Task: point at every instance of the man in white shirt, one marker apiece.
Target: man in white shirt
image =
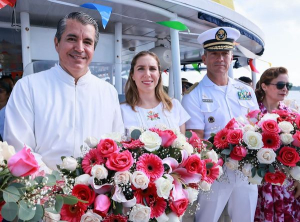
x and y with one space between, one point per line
54 111
212 104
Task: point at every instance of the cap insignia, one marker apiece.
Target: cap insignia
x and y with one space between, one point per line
221 35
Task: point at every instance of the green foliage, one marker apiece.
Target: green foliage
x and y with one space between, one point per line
50 180
135 134
226 152
117 208
9 211
253 171
11 194
271 168
209 165
59 203
39 213
26 212
188 134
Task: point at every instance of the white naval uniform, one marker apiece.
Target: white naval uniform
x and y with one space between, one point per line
49 113
170 119
211 107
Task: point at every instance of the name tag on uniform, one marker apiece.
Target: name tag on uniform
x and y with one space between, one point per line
244 95
207 100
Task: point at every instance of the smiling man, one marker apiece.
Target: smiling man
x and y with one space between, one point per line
212 104
54 111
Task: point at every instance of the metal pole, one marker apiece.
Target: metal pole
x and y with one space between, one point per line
171 83
118 57
254 80
25 38
176 62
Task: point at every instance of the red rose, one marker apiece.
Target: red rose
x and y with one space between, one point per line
120 161
106 147
296 138
220 140
132 144
232 124
234 136
238 153
195 141
115 218
297 121
193 164
288 156
284 115
23 163
276 178
83 192
168 137
270 126
179 206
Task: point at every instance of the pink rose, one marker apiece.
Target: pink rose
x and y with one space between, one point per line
132 144
234 136
193 164
102 205
296 138
120 161
179 206
238 153
106 147
23 163
220 162
232 124
195 141
168 137
297 121
253 116
270 126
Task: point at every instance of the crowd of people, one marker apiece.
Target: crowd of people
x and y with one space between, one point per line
53 111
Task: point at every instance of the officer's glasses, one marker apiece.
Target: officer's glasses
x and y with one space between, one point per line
281 85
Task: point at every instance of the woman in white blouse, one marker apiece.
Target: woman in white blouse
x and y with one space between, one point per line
147 105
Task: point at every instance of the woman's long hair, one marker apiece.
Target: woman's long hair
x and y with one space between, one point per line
266 78
131 90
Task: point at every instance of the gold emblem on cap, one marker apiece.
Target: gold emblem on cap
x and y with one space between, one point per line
221 35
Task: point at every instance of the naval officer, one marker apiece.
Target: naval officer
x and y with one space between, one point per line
212 104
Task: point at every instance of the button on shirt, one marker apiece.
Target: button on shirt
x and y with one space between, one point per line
211 107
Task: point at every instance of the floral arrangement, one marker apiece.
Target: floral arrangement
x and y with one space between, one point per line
151 176
265 147
25 192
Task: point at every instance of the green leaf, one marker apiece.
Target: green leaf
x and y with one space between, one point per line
188 134
59 203
253 171
135 134
11 194
262 165
5 172
209 165
230 147
174 25
226 152
71 200
208 144
25 212
50 180
117 208
39 213
9 211
21 187
56 174
39 179
261 172
271 168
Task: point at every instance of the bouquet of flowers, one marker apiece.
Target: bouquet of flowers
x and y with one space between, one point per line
152 176
265 147
25 192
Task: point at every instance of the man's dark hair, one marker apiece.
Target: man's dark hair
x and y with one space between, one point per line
245 79
81 17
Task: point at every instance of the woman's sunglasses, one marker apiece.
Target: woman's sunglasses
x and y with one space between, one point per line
281 85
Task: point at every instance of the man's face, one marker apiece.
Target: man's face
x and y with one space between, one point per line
76 48
217 62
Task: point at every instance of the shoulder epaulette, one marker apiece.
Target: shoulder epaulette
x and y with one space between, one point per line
191 88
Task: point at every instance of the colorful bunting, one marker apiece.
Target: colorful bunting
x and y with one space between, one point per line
104 11
174 25
4 3
196 67
253 69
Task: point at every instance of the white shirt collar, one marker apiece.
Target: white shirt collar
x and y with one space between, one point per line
66 77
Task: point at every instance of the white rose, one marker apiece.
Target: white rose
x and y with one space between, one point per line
83 179
266 155
1 159
253 140
116 136
91 141
188 148
220 171
122 177
162 218
90 216
255 180
151 140
205 186
212 155
179 141
51 217
192 194
99 171
247 169
161 126
247 128
286 138
164 186
139 180
140 213
6 150
173 217
286 127
269 116
69 163
232 164
295 172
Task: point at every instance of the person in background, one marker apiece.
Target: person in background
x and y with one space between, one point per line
185 85
212 104
147 104
276 203
246 80
5 90
61 107
9 80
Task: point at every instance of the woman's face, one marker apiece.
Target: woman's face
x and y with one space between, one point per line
3 95
272 92
146 74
